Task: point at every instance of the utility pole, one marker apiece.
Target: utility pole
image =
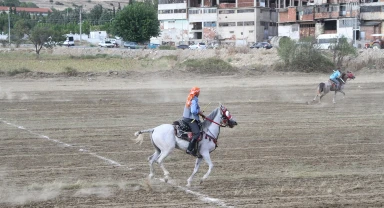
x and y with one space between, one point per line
9 27
80 25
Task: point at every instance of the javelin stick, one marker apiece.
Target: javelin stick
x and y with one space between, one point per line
203 110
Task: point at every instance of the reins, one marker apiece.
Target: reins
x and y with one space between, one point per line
214 122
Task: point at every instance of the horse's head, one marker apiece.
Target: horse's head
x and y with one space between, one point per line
350 75
226 117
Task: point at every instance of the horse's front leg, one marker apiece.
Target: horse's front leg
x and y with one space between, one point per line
207 159
197 165
334 97
343 93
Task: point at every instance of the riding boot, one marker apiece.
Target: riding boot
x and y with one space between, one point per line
191 147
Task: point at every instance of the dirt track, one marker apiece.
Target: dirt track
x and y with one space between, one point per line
65 142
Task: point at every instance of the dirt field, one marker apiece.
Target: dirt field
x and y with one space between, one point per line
66 142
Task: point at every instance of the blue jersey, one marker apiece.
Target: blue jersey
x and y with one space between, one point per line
335 75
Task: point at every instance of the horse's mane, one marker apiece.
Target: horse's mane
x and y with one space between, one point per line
212 115
343 76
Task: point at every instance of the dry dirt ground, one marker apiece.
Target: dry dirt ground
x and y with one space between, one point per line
66 142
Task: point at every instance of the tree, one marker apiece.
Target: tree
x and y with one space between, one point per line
14 3
21 28
39 36
342 49
137 22
95 14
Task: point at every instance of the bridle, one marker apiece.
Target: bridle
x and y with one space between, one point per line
225 117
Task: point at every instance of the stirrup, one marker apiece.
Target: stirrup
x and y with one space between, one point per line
191 153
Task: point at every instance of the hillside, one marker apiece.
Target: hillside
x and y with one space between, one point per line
87 4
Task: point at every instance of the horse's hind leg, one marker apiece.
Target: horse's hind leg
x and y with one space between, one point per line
197 165
162 156
152 159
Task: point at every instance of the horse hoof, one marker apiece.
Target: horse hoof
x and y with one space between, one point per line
201 182
166 180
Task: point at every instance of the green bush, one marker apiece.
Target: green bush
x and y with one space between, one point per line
303 56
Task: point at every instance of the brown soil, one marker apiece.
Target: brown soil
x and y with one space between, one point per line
66 142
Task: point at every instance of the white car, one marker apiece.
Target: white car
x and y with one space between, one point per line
200 46
106 44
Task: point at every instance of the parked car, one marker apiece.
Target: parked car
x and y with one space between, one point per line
153 46
106 44
200 46
131 45
183 46
265 45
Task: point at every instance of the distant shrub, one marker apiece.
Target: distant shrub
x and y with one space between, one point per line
18 71
69 71
302 56
58 3
209 66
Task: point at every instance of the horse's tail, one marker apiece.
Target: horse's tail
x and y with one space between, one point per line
140 136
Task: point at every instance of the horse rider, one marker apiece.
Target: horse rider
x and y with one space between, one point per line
334 76
191 116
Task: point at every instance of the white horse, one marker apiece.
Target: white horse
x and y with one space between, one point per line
324 88
164 140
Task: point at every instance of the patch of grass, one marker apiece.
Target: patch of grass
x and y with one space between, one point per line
166 47
18 71
69 71
97 56
169 57
208 66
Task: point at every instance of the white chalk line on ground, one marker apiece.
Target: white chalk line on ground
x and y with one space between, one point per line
200 196
112 162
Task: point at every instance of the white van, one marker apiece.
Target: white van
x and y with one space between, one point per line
69 41
326 41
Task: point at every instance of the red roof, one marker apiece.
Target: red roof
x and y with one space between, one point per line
26 9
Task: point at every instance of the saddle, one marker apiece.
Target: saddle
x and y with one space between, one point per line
333 86
183 131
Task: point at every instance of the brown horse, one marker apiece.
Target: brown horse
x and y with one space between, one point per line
324 88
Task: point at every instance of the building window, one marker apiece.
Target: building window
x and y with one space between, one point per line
245 11
210 11
246 23
180 11
231 31
209 24
171 1
295 28
194 11
227 11
166 11
251 31
227 24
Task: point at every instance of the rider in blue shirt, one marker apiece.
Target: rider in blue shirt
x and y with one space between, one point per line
191 116
336 74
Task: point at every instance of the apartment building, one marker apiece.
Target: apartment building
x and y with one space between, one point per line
226 21
302 18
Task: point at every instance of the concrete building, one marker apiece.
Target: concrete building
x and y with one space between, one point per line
299 19
225 21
